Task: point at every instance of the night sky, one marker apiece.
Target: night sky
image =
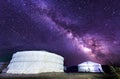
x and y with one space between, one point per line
78 30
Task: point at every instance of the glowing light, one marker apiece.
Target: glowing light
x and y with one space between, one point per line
86 50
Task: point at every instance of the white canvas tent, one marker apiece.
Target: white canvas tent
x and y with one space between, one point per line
89 67
34 62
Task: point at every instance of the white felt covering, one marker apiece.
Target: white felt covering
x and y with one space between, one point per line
89 67
34 62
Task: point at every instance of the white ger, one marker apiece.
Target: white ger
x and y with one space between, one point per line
34 62
89 67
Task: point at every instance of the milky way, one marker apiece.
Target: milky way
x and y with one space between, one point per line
78 30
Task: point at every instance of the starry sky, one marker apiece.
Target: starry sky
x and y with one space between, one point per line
78 30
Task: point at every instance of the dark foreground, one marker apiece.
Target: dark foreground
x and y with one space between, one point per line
58 76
